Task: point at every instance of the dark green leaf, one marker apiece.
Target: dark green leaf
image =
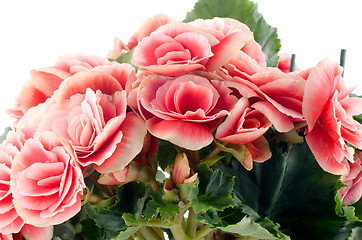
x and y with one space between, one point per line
291 189
246 12
90 231
213 191
128 197
166 209
166 154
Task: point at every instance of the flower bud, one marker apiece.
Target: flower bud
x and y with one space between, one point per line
181 169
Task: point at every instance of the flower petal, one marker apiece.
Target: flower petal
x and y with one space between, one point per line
188 135
79 82
280 121
134 131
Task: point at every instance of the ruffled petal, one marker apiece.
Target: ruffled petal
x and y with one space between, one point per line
133 130
188 135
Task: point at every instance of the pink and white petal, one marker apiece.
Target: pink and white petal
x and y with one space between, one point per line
352 105
227 127
48 79
325 150
259 149
198 46
123 72
227 48
30 232
95 80
352 194
188 135
133 130
29 97
280 121
175 69
151 24
242 64
10 222
321 83
113 178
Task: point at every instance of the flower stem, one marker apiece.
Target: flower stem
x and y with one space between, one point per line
191 225
149 234
177 229
213 153
179 233
202 232
90 197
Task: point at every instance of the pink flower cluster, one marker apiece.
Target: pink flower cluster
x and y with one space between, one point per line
195 83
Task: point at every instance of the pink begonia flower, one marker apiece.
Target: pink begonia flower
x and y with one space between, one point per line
46 181
353 193
228 37
243 125
10 221
178 48
132 171
147 27
246 126
44 81
29 232
90 111
185 109
277 95
12 226
174 48
329 112
248 61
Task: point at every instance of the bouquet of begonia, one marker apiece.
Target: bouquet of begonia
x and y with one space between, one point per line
191 130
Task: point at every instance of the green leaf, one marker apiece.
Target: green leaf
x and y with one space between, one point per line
90 231
246 12
213 191
237 218
166 154
128 199
248 228
166 209
125 57
129 232
292 190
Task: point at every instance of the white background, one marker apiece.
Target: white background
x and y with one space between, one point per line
34 33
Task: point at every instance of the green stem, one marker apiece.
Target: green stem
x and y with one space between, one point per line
177 229
179 233
203 232
90 197
191 225
213 153
148 233
140 236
